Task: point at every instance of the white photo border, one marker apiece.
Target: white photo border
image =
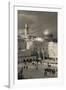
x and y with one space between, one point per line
13 81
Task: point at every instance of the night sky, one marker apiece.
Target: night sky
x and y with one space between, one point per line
38 22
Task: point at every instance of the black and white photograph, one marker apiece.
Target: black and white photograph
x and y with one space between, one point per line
37 37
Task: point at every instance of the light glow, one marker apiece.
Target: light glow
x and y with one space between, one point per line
46 32
39 39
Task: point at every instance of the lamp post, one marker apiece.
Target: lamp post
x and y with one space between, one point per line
43 53
46 38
